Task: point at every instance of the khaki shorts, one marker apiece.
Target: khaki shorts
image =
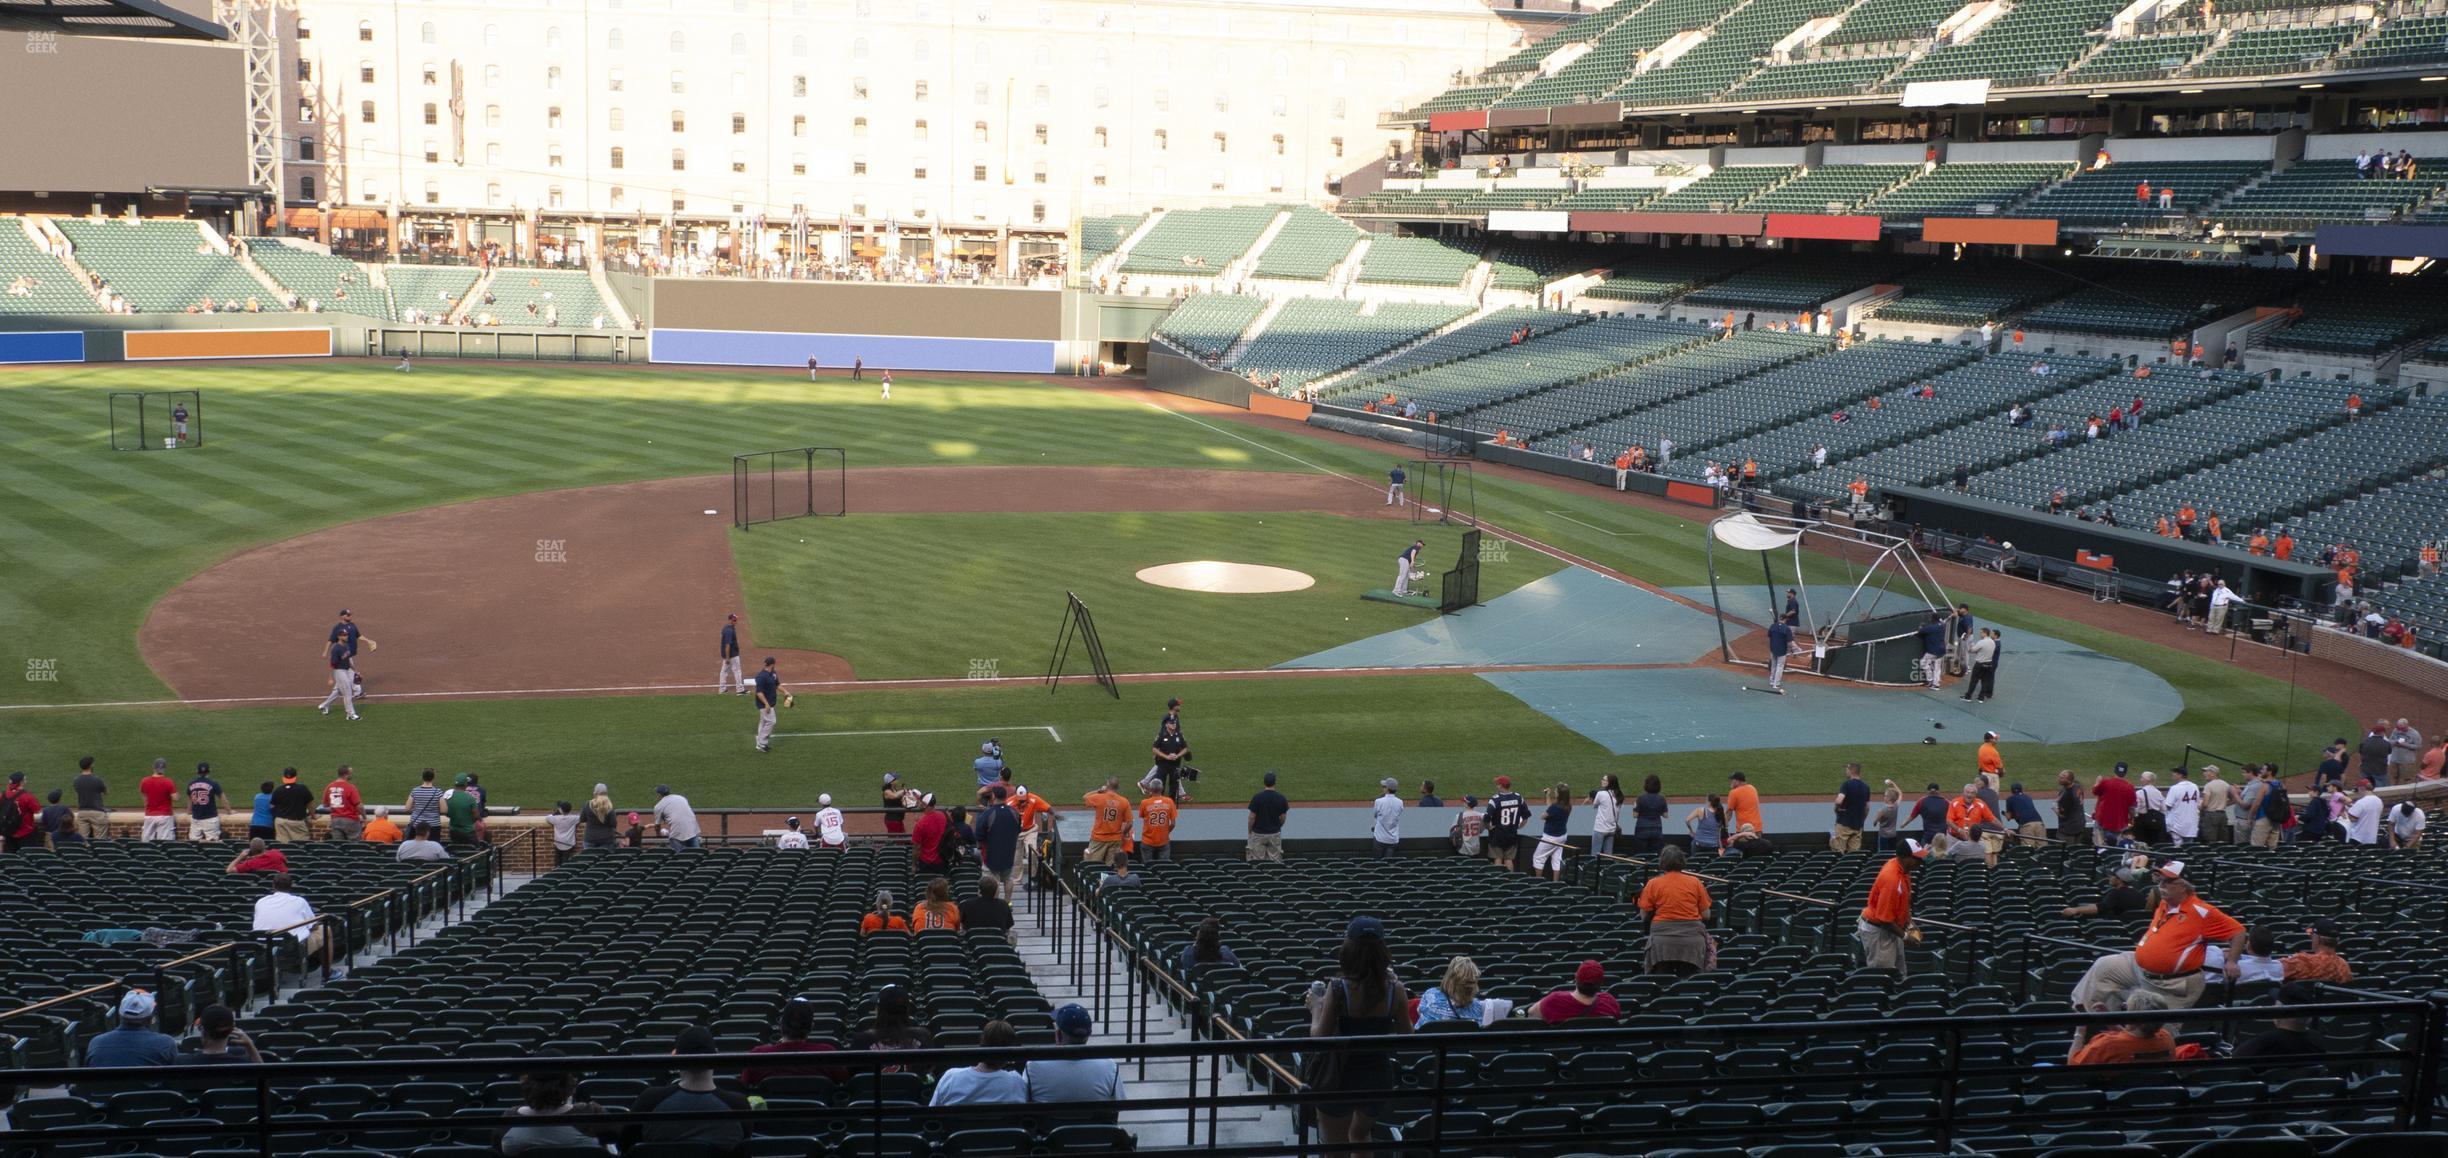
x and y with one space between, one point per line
1102 851
343 828
293 831
208 828
1845 839
2034 833
1265 846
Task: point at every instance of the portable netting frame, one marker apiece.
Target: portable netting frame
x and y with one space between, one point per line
1445 490
144 419
771 485
1873 636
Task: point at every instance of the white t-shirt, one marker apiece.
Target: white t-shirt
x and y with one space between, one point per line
2408 823
1387 819
564 829
792 838
2184 809
280 910
829 827
1605 805
2363 819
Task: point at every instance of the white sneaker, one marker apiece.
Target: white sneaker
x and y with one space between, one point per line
352 719
325 710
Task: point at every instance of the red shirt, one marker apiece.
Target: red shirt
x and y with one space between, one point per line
269 860
342 797
158 790
928 836
2116 800
29 811
1562 1005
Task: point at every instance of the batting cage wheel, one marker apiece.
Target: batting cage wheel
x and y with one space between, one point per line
152 419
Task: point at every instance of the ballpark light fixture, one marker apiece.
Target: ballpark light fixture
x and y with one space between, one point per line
2311 86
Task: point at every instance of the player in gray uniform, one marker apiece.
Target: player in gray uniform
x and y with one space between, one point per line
1403 564
727 676
346 630
343 681
768 698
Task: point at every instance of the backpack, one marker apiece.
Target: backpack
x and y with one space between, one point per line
12 814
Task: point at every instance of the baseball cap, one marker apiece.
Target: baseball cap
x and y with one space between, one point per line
602 789
1388 784
694 1039
136 1006
2172 870
291 774
734 617
987 747
927 798
1019 790
2299 993
793 822
1738 776
1469 799
16 777
633 816
1915 848
1590 973
459 781
1504 782
769 660
2017 786
344 611
890 778
202 767
823 800
2120 767
1074 1021
2326 927
160 764
1364 927
1175 702
662 789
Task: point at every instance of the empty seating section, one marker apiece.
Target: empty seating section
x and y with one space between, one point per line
1469 96
2390 526
1965 190
1829 76
1478 336
2139 58
2366 317
2108 196
2155 303
1732 50
1876 21
1721 190
1530 265
34 282
1615 199
1447 201
1208 324
2310 472
1416 261
2421 601
1964 394
2165 445
1198 242
1308 247
1656 275
1787 393
544 297
1993 441
1796 282
2275 51
1613 56
160 266
1963 295
1103 235
1507 195
2029 45
2317 191
434 289
1310 337
48 903
2405 40
1665 378
315 276
1569 355
1830 189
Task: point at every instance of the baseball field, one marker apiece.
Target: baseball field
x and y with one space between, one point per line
529 547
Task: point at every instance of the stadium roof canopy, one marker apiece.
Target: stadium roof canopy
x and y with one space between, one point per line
147 18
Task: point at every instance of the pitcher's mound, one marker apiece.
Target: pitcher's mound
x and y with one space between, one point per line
1226 578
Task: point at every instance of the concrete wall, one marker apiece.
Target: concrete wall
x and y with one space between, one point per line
1978 151
1872 154
1796 155
2343 146
2194 149
1174 374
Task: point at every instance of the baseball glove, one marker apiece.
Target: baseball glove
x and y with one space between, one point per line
369 644
789 700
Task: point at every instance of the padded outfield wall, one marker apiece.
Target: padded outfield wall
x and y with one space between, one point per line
712 322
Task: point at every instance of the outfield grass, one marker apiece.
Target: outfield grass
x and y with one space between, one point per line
917 596
88 539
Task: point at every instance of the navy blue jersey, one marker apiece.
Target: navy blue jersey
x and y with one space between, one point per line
769 688
1780 638
730 641
340 655
344 630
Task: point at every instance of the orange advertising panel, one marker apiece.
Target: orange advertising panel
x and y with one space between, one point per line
1262 402
1988 231
154 345
1692 493
1455 122
1812 226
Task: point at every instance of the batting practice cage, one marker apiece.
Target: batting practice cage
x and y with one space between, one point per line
769 485
150 420
1462 583
1864 629
1444 490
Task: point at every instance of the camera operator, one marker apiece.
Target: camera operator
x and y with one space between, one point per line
990 768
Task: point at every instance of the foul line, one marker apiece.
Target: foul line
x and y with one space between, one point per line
1048 729
1602 530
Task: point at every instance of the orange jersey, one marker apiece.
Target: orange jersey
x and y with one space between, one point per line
877 922
1030 805
928 916
1743 802
1675 897
1990 762
2284 548
1156 816
1112 817
1890 897
2177 936
1966 814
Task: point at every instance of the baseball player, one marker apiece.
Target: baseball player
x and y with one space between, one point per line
768 698
343 680
1394 486
829 830
888 385
727 676
1402 566
858 369
178 422
346 631
811 369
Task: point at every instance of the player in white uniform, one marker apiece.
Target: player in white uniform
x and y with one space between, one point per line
829 823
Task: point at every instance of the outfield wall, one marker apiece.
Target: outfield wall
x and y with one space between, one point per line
729 322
